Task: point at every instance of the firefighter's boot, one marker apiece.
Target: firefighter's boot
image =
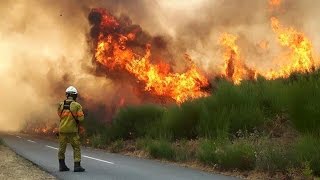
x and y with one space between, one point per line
78 168
62 165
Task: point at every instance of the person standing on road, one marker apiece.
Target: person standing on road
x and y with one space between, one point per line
71 115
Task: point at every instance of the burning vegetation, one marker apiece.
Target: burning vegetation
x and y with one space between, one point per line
122 46
234 68
118 47
123 51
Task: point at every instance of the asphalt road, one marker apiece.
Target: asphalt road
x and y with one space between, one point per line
99 164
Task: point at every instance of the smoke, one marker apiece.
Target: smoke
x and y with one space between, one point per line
45 47
42 50
197 29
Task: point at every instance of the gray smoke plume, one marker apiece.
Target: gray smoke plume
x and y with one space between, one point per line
45 47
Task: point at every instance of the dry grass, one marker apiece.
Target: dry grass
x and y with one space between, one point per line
13 166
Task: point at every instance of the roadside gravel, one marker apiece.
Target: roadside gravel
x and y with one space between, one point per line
15 167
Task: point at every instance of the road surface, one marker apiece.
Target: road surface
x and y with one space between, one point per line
99 164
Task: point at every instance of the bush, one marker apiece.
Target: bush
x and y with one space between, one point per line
207 152
230 109
181 121
133 122
161 149
98 141
93 126
272 97
117 146
97 132
307 151
238 156
304 106
273 158
213 124
227 155
142 143
1 142
183 152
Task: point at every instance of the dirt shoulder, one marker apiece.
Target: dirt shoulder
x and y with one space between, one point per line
13 166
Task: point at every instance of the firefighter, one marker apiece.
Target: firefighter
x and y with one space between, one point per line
71 115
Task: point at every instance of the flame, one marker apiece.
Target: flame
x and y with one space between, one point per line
301 51
234 68
113 52
274 3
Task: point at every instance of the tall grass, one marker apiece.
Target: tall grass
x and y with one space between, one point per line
181 121
227 155
304 105
230 108
306 152
161 149
133 122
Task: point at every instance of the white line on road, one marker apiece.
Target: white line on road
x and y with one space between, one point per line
31 141
18 137
52 147
98 159
84 156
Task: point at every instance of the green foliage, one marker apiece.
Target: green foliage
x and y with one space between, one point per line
1 142
304 105
272 157
181 121
132 122
306 152
227 155
207 152
230 109
99 141
142 143
183 152
307 171
117 146
161 149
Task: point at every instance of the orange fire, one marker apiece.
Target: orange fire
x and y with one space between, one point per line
43 130
301 51
274 3
113 51
234 68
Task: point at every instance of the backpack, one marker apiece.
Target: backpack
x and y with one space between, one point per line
66 106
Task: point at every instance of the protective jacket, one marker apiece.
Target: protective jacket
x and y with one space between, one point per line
69 118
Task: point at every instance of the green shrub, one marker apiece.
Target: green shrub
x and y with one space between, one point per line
161 149
181 121
183 152
230 109
238 156
142 143
272 97
117 146
227 155
93 126
213 124
98 133
273 158
1 142
133 122
207 152
307 151
304 106
98 141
